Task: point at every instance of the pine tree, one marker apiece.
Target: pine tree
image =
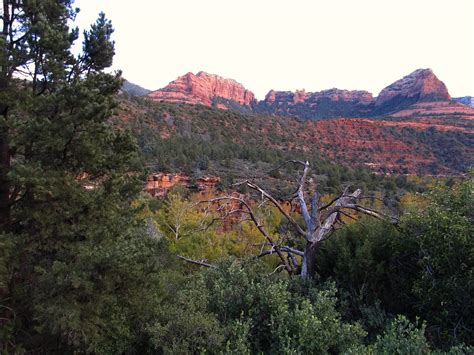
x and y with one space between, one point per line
73 256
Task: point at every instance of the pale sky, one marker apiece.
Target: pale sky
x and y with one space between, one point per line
289 45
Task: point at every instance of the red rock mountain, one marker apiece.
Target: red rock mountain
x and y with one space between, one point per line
205 89
420 86
211 90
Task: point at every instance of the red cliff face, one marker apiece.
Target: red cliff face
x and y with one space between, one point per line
322 104
203 88
420 86
301 96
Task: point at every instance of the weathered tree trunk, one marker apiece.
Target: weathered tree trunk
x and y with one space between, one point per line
308 268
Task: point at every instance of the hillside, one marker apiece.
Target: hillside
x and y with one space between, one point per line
133 89
427 139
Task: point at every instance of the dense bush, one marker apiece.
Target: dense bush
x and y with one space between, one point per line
422 269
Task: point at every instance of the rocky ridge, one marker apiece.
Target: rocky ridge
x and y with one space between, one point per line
322 104
422 85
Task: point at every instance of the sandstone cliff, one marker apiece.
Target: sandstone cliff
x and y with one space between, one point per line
206 89
322 104
420 86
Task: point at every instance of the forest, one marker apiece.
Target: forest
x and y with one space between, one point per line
91 264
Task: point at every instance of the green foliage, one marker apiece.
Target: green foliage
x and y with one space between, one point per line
278 316
98 47
88 266
441 235
401 337
184 325
78 271
358 258
422 269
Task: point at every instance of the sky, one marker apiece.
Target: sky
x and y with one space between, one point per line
289 45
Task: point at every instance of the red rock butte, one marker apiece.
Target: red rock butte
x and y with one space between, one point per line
422 85
203 88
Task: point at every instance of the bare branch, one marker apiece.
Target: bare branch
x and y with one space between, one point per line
276 204
222 218
196 262
304 208
292 258
328 225
284 249
278 268
315 210
376 214
258 225
292 251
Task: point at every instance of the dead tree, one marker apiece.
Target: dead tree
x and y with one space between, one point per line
319 221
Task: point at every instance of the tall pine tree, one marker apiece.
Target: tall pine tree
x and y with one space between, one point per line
73 256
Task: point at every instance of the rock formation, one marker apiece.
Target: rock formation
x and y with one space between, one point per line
211 90
420 86
313 105
159 184
206 89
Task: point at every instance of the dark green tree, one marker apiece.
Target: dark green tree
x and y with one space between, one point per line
75 266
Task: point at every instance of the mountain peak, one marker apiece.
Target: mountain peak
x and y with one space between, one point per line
204 88
420 85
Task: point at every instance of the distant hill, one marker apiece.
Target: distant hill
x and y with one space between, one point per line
134 89
466 100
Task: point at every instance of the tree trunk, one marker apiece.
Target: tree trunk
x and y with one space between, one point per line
308 269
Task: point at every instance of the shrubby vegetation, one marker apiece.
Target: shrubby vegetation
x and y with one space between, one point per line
88 263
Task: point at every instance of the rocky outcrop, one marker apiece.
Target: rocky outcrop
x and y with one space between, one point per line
159 184
314 105
420 86
205 89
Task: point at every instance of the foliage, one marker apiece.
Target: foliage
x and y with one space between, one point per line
441 235
422 269
242 312
77 270
401 337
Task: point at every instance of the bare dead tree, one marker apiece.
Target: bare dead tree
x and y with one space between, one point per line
319 220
